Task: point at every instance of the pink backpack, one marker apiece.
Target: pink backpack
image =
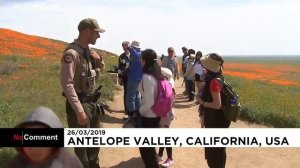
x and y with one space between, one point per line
164 99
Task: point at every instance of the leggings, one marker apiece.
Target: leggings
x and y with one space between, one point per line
169 152
148 154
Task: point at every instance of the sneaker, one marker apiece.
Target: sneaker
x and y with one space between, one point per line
126 119
167 163
158 158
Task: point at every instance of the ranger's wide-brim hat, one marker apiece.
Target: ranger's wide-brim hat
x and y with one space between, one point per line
90 23
210 64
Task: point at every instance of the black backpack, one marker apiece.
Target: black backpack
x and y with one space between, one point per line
230 101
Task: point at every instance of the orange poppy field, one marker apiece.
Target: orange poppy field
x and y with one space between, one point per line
268 88
284 75
15 43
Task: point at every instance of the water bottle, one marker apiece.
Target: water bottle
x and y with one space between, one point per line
233 101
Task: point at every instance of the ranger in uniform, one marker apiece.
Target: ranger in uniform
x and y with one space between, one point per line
80 67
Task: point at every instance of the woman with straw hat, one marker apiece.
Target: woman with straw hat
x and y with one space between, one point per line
210 104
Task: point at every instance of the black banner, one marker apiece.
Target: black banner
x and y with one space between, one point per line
31 137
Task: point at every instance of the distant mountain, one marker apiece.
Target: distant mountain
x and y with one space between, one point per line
13 43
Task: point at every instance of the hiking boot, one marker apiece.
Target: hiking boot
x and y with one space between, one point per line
125 112
126 119
167 163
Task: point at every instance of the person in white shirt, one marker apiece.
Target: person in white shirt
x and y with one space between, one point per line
148 89
189 74
199 72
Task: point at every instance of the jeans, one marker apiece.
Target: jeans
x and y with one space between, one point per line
133 98
125 80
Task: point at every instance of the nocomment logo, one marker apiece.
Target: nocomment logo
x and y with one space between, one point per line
37 8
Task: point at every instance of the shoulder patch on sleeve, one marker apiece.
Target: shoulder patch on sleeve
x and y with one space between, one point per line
68 58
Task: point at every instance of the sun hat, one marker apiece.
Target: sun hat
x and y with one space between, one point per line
90 23
192 56
168 74
135 44
209 63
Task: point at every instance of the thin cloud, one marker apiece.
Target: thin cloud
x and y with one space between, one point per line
226 27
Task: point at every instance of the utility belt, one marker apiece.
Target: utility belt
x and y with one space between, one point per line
84 98
91 98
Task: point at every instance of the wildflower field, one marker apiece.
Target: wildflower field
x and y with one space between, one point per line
30 77
269 89
30 67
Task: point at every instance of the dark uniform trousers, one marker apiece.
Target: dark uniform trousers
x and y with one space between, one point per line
88 156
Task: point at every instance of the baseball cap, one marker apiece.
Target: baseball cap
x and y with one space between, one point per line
90 23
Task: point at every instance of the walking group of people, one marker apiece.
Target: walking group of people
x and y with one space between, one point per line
139 73
198 70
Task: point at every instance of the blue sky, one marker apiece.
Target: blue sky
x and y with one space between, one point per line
227 27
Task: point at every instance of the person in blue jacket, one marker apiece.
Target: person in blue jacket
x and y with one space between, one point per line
133 98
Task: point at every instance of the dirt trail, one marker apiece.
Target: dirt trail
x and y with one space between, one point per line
187 117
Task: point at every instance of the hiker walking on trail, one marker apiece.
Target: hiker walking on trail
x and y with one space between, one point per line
185 54
123 65
186 62
148 88
80 67
210 103
165 122
171 62
133 98
184 65
199 72
189 75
